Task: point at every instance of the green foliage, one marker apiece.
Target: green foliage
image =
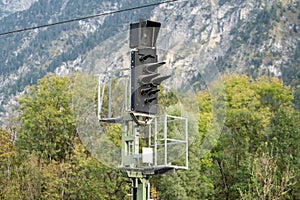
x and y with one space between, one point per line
297 97
285 139
6 144
7 153
81 177
167 99
50 162
192 184
273 94
232 169
265 183
48 126
251 107
256 157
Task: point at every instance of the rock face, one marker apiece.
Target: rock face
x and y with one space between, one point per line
8 7
256 37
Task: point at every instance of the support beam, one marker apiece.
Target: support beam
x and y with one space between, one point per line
140 186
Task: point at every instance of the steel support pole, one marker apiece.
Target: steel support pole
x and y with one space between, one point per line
140 186
140 189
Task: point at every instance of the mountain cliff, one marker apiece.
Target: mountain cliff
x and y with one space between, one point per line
256 37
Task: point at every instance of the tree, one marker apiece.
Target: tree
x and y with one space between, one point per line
257 154
265 182
6 144
47 121
7 153
82 177
251 107
297 97
51 162
285 138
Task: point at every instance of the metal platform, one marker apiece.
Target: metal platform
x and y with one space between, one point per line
151 144
155 170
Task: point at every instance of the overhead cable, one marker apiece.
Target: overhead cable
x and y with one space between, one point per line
86 17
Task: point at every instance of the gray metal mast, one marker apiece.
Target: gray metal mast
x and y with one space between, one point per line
147 148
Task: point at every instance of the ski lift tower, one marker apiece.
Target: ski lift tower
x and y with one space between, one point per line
149 145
